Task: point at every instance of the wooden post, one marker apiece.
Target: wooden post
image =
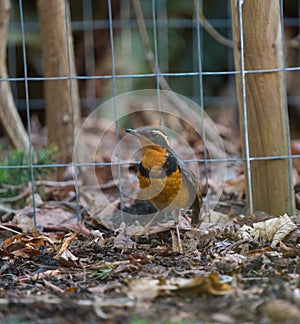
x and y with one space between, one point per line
59 103
265 99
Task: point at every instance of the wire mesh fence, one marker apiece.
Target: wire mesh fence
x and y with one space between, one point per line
125 46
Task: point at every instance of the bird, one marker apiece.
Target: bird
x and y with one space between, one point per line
165 180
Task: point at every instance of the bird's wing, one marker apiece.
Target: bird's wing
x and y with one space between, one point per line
190 180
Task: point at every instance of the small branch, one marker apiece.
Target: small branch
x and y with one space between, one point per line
23 194
213 32
47 183
145 40
9 229
54 183
7 187
174 98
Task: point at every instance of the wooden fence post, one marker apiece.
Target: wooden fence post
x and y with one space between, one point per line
55 41
265 101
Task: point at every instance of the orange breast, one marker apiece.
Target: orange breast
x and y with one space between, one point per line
167 193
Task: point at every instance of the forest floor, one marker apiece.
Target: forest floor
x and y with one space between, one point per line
81 273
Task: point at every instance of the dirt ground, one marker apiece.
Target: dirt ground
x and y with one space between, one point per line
109 277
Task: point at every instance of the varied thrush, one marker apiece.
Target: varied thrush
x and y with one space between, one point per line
165 180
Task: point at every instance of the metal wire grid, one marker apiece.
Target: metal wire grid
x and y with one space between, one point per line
88 24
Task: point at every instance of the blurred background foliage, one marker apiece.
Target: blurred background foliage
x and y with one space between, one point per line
176 47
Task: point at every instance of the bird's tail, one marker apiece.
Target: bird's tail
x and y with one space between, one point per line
196 210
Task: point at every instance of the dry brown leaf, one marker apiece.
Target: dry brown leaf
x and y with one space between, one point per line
64 256
67 240
147 288
123 241
210 284
274 229
230 262
105 216
78 227
60 192
25 245
135 229
215 217
46 274
44 217
67 259
246 232
191 239
144 288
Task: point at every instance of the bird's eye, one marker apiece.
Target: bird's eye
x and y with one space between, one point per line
154 133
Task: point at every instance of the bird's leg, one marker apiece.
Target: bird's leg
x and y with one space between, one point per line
148 225
152 220
176 223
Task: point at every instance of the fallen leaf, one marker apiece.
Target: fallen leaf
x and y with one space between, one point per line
67 240
67 259
274 229
144 288
123 241
148 289
25 245
46 216
210 284
215 217
64 256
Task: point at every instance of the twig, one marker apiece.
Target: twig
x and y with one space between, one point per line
244 241
10 229
55 183
212 31
12 187
172 97
23 194
145 40
51 286
47 183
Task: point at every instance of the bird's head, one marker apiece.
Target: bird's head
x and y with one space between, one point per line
150 136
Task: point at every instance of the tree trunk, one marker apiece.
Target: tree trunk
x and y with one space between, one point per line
62 98
265 103
9 117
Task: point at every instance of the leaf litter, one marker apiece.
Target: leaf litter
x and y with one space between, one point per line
115 276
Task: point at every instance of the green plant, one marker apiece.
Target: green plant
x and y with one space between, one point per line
103 273
15 168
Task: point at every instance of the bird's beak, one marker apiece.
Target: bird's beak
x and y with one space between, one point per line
144 140
131 131
135 132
